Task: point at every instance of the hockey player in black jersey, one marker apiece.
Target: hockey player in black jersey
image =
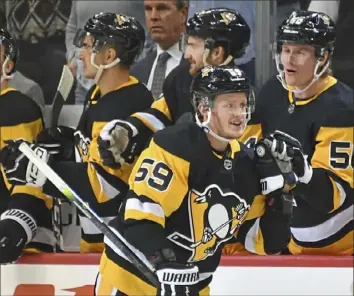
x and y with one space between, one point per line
20 117
215 36
109 44
306 102
193 189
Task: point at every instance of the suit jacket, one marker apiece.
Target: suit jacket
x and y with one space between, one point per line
141 70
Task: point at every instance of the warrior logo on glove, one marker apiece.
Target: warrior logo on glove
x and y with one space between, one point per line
211 223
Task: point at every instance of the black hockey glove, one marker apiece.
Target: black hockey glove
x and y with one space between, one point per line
175 278
274 175
18 169
116 145
59 141
17 228
286 147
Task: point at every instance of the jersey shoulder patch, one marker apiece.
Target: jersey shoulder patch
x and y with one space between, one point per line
16 108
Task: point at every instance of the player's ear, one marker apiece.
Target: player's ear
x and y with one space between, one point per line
217 55
203 110
110 55
9 67
324 58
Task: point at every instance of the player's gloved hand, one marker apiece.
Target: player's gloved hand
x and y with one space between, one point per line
116 145
286 147
276 177
60 141
17 228
18 169
177 279
274 174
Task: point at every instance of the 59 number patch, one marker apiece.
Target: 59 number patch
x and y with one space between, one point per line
156 173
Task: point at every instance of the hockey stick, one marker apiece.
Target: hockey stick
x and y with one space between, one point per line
114 237
194 245
65 85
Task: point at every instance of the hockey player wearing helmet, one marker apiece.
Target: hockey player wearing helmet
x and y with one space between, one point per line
109 44
190 193
307 103
8 57
20 117
214 36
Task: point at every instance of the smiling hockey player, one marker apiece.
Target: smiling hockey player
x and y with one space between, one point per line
192 190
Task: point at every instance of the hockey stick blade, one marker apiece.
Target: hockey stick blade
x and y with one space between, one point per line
84 207
65 85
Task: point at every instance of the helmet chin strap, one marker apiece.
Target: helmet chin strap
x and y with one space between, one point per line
316 76
206 54
100 68
208 130
4 76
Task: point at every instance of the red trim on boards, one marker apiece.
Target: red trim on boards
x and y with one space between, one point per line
269 261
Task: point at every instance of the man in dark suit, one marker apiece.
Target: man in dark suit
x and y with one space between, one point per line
165 21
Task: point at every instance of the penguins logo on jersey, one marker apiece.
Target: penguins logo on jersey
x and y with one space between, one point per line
214 216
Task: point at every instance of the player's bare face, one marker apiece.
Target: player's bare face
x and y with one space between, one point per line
194 54
228 115
85 57
299 63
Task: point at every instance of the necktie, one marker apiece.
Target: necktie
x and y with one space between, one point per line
159 74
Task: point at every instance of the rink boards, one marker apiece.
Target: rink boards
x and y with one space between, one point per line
74 275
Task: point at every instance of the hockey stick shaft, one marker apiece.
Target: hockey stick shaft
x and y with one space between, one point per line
84 207
61 95
214 231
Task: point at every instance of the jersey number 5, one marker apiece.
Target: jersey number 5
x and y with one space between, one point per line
157 174
340 154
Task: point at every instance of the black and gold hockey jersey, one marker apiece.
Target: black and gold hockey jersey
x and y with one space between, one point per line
188 197
102 187
167 109
20 117
323 217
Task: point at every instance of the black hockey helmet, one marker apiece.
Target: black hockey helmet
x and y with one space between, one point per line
221 27
123 32
308 27
10 47
211 81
